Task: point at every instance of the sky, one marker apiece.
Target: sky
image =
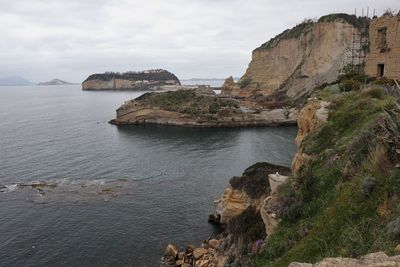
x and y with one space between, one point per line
71 39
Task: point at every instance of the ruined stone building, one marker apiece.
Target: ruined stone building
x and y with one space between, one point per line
383 60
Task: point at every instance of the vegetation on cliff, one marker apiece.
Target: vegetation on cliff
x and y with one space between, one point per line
254 180
343 201
149 75
307 24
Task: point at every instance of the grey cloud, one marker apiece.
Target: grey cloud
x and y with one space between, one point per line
70 39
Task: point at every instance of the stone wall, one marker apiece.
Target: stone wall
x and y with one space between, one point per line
381 52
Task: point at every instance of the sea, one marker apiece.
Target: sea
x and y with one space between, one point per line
78 191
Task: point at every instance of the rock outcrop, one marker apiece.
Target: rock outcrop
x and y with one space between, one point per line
290 65
198 108
250 189
144 80
378 259
312 116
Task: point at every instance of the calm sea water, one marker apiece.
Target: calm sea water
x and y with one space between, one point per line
117 196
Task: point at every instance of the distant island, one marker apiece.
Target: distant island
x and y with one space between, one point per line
131 80
55 82
14 80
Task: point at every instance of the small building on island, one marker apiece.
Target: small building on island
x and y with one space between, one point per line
383 59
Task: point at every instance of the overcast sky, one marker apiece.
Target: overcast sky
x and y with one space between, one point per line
70 39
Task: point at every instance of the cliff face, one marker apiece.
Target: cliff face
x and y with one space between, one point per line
145 80
296 61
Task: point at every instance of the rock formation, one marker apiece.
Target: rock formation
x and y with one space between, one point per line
198 108
311 117
144 80
291 64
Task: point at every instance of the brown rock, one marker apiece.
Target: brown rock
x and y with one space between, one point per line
202 263
213 243
181 255
199 252
190 249
171 251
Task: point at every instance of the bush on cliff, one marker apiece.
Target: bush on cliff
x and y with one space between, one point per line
254 180
246 228
331 207
188 102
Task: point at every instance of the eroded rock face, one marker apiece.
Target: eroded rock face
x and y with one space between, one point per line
311 117
296 61
378 259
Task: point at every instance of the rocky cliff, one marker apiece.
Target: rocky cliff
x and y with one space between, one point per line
286 68
198 108
144 80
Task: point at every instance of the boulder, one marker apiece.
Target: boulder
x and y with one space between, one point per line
171 251
199 252
213 243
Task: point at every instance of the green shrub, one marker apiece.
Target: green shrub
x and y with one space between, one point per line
374 93
213 108
248 226
350 85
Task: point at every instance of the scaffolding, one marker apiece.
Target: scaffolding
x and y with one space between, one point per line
360 43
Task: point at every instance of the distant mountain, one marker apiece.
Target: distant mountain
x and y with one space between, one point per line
55 82
14 80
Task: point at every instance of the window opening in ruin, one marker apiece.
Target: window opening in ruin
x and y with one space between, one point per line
381 70
382 39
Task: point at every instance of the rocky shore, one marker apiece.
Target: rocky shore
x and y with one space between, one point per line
199 108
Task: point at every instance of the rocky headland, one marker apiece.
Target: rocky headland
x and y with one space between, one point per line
143 80
198 108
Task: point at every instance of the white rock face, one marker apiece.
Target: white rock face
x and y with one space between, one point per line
297 65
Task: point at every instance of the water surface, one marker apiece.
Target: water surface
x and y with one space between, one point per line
117 195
